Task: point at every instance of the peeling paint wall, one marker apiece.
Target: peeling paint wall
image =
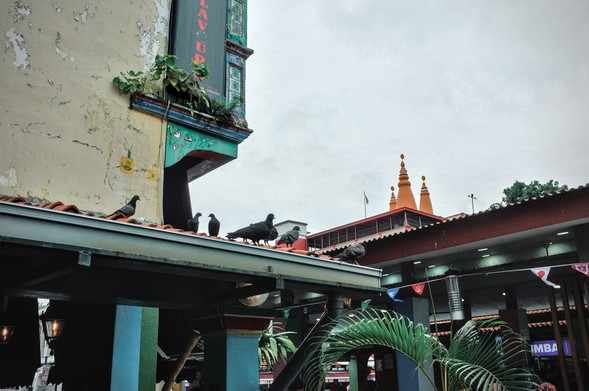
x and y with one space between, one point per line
66 134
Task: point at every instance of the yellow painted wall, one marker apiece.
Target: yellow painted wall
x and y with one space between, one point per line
66 134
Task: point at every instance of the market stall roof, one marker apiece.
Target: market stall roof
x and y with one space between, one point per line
56 251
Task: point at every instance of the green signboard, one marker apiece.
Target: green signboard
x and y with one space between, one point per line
180 141
199 32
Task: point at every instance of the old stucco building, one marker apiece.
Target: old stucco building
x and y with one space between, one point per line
69 134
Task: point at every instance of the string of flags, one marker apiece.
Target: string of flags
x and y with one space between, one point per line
541 272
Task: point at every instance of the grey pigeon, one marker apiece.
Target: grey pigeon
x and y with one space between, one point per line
271 236
289 237
352 253
254 232
129 209
193 222
214 225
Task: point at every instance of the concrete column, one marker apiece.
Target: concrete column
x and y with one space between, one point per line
230 336
410 379
353 372
510 297
231 362
582 241
134 360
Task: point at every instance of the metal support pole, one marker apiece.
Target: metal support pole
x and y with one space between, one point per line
294 366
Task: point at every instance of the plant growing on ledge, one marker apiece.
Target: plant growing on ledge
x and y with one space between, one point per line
183 86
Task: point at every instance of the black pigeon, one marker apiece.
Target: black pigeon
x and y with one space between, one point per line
254 232
214 225
271 236
289 237
193 222
352 253
129 209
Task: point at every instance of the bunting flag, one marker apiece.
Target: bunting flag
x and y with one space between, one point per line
285 313
418 288
582 268
364 304
392 292
542 273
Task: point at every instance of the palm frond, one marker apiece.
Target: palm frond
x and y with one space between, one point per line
362 328
481 356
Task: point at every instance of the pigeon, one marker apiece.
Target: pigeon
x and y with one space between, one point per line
214 225
289 237
254 232
129 209
352 253
193 222
271 236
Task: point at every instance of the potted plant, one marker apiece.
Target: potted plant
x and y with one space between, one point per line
182 89
274 346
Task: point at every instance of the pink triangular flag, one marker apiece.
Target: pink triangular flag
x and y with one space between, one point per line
581 267
542 273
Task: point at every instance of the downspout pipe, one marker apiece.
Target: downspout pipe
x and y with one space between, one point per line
294 366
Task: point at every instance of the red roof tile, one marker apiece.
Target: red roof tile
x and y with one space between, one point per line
121 218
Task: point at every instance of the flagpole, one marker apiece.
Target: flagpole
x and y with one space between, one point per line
364 200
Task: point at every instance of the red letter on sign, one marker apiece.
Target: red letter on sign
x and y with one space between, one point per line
203 14
198 58
201 47
203 25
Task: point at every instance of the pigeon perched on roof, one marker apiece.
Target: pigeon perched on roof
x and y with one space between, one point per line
193 222
254 232
352 253
271 236
214 225
289 237
129 209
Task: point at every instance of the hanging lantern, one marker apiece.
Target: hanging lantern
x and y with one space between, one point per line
5 333
54 328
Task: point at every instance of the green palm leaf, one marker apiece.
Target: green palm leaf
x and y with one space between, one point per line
361 328
480 356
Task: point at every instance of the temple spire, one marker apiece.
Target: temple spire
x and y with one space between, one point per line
393 201
425 203
405 196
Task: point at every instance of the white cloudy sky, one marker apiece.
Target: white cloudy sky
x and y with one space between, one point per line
476 94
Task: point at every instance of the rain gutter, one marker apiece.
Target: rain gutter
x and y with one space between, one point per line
29 225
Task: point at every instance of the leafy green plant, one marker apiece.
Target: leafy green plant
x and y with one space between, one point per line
163 67
473 360
520 191
185 88
274 346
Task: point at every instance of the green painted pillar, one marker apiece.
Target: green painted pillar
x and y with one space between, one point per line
134 360
231 362
230 336
353 373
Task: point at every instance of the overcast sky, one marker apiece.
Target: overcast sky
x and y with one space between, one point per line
476 94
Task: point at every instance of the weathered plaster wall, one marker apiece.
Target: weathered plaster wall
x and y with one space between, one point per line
66 134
